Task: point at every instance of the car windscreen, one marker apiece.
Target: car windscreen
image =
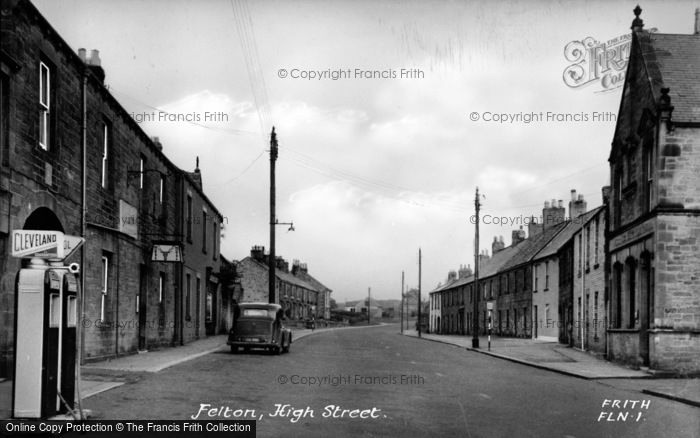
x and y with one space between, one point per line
264 313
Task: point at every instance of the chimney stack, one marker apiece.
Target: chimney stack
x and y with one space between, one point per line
552 214
465 271
95 58
258 253
497 245
451 276
533 228
606 190
577 205
518 236
94 63
157 143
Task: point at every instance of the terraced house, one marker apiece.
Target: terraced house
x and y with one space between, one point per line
73 160
300 295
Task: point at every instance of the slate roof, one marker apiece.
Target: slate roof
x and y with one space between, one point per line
673 61
566 234
454 283
526 250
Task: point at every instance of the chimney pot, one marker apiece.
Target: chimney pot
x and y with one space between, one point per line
546 204
697 21
82 53
560 204
573 194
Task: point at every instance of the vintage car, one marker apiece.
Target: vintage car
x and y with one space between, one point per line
259 325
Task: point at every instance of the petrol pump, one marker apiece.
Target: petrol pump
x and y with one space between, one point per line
46 320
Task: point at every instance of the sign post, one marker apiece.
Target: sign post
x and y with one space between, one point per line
489 307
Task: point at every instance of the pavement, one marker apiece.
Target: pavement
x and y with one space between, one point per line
573 362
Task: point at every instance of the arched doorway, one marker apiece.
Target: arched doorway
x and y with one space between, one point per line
43 219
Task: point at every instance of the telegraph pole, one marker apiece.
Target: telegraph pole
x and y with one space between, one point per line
369 304
402 297
419 282
475 319
271 261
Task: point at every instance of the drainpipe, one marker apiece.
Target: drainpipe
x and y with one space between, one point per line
179 308
583 286
83 231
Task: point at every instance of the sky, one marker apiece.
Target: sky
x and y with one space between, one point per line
388 115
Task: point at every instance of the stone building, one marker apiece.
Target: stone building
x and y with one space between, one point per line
447 303
69 147
299 298
588 281
654 228
548 321
323 307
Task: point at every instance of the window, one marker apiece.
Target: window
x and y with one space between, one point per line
142 165
209 311
537 269
188 295
579 310
105 155
104 285
204 231
44 106
4 119
189 218
595 316
214 236
546 315
632 290
649 174
588 247
580 252
199 294
161 286
546 275
161 187
597 244
617 322
618 197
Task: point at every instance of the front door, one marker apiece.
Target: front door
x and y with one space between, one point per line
141 307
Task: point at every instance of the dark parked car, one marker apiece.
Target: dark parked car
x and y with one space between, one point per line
260 325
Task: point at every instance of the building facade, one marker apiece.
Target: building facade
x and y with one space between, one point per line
73 160
588 281
654 226
299 298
